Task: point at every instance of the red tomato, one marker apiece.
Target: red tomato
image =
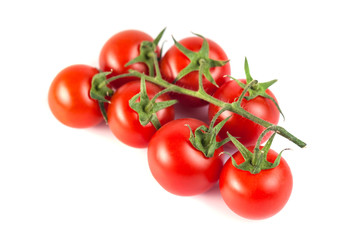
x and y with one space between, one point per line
176 165
256 196
119 50
246 130
124 121
69 97
174 61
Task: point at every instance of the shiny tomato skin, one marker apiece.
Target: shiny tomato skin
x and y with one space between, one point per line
174 61
256 196
69 97
119 50
124 121
176 165
246 130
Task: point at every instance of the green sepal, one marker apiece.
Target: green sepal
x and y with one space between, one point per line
147 53
198 58
257 161
277 160
258 89
218 127
145 48
99 89
265 164
204 138
247 71
161 105
158 37
146 107
247 155
260 156
139 108
197 138
203 141
245 166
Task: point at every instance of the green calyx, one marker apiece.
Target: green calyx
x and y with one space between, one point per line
148 53
256 161
99 91
204 138
146 107
258 89
197 60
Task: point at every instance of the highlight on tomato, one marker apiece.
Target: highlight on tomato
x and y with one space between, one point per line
177 165
125 123
69 97
180 64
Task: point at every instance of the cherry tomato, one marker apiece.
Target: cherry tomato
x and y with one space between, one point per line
176 165
174 61
124 121
69 97
246 130
119 50
256 196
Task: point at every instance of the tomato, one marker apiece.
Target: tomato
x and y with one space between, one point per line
176 165
124 121
69 97
174 61
246 130
256 196
119 50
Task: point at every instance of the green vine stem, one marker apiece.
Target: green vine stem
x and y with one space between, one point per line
233 107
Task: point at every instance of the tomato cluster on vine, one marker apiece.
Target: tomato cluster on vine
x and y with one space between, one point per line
134 90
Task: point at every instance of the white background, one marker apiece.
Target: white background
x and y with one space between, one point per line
63 183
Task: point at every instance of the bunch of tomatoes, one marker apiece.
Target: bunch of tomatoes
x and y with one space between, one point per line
134 91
